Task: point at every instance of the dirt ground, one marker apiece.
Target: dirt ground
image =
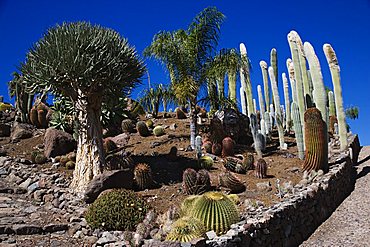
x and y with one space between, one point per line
167 173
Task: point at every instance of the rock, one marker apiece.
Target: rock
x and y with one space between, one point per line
22 131
25 183
173 126
108 180
4 130
264 186
211 234
33 187
106 238
3 152
26 229
121 139
58 142
55 227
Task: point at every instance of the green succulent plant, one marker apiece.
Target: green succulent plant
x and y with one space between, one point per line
186 229
205 162
158 131
143 176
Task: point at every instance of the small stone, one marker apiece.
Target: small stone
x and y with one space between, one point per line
173 126
211 234
55 227
25 183
264 186
26 229
33 187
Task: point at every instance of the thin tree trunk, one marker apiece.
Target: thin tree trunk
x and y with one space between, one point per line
90 156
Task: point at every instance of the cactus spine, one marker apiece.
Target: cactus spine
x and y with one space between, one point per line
228 180
316 141
331 104
215 210
263 66
335 75
287 103
245 79
297 126
293 40
319 93
278 115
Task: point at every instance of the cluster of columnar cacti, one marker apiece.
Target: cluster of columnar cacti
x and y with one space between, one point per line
258 138
260 170
39 115
228 180
316 141
195 183
186 229
143 176
214 209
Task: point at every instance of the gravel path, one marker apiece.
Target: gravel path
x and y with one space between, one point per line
349 225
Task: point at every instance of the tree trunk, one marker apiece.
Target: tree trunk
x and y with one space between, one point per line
90 156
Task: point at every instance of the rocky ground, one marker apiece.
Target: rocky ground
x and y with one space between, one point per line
349 225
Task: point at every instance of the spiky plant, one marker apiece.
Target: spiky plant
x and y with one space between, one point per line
104 67
216 149
142 129
149 123
234 165
158 131
207 146
227 147
186 229
205 162
195 183
215 210
248 161
109 145
228 180
143 176
260 169
316 141
127 126
70 165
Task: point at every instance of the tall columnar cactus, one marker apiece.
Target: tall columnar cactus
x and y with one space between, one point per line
143 176
231 77
272 116
245 79
254 106
195 183
290 67
267 122
278 115
316 141
298 130
331 104
310 84
198 146
263 66
259 142
331 57
319 93
228 180
186 229
294 40
273 62
263 128
303 65
243 101
261 102
215 210
260 169
287 103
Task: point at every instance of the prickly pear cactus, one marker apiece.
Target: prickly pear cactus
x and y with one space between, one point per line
261 169
215 210
195 183
316 141
228 180
142 129
227 147
186 229
143 176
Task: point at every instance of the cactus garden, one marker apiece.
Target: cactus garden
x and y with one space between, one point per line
181 161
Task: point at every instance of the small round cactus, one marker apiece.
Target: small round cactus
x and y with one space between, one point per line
72 156
63 160
158 131
186 229
143 176
194 183
228 180
205 162
70 165
248 161
261 169
127 126
216 149
40 159
149 123
234 165
142 129
227 147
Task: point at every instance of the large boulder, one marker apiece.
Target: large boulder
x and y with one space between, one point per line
58 142
4 130
117 179
22 131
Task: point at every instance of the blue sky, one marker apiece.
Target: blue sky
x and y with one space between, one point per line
261 25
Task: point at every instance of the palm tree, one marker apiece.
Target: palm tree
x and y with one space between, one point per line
90 65
185 54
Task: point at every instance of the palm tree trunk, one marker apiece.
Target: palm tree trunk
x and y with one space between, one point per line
90 156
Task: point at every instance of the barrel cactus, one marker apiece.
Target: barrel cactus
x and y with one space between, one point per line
207 146
316 141
227 147
40 159
248 161
235 165
228 180
149 123
118 209
261 169
195 183
128 126
143 176
186 229
205 162
215 210
158 131
142 129
216 149
70 165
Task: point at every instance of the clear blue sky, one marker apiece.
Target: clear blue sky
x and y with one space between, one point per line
261 25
